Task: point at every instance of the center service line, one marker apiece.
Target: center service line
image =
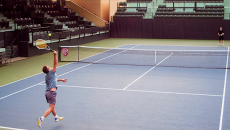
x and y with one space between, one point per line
147 72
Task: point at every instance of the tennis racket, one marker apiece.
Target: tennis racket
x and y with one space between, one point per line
41 44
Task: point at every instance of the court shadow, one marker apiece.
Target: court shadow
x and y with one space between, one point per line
59 127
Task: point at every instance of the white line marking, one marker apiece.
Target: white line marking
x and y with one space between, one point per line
20 90
95 61
180 45
98 53
149 49
30 76
61 75
176 93
115 54
42 72
2 127
144 91
224 91
147 72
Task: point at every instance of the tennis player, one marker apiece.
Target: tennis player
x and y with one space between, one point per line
51 87
221 36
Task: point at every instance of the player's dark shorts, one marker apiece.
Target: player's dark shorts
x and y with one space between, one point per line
221 37
51 97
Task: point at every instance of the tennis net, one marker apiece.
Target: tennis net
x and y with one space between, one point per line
213 59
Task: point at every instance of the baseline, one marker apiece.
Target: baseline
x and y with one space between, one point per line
144 91
9 128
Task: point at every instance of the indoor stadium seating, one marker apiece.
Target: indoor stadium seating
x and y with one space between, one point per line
217 1
139 1
32 22
209 11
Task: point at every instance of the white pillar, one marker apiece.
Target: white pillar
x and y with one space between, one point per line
226 9
155 3
160 2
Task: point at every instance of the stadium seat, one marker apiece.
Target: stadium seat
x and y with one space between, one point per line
122 4
121 9
3 21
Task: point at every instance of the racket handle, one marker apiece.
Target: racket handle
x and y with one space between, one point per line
51 50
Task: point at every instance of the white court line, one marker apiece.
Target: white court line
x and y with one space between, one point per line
42 72
20 91
63 74
182 46
30 76
2 127
224 91
147 72
152 49
144 91
96 61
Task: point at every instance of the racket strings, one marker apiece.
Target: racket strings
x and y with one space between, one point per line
41 44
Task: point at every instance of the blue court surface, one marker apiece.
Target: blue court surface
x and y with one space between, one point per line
126 97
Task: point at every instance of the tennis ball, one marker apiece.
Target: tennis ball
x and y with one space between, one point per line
49 34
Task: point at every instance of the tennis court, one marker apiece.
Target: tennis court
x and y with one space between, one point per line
114 90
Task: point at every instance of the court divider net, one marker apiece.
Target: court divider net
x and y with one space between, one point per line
213 59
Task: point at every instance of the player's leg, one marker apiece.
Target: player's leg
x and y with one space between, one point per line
220 40
49 110
51 99
57 118
54 112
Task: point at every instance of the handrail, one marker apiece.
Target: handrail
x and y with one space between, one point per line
14 39
88 15
4 39
2 43
14 51
87 10
11 45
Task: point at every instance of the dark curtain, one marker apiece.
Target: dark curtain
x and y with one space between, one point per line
169 28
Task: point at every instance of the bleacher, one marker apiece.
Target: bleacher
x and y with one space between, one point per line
204 12
27 23
139 1
202 1
126 12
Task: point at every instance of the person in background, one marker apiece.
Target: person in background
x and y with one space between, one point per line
221 36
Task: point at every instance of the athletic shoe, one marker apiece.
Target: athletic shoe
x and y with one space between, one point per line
58 119
40 122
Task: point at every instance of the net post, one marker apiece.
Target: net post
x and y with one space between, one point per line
59 54
155 58
70 35
78 54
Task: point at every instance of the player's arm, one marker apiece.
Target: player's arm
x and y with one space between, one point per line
218 34
63 80
55 61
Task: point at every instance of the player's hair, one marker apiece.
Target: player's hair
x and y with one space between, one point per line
45 69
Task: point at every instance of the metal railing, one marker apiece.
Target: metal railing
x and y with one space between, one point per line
17 38
69 34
